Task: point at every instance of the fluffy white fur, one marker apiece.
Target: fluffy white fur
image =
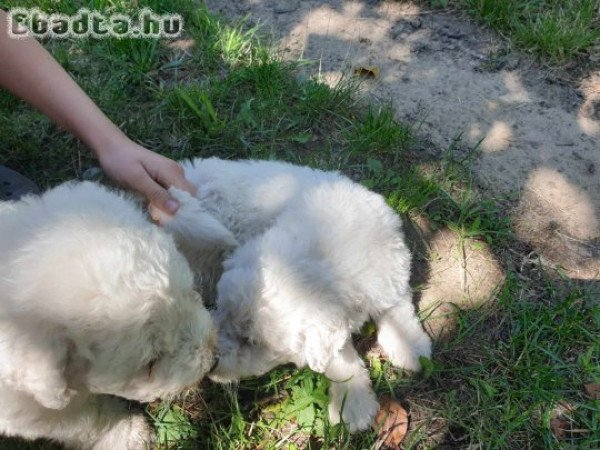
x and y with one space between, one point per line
95 302
318 256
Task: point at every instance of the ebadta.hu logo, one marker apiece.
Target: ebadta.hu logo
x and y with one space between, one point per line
88 23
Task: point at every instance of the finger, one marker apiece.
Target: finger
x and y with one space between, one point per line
185 185
175 177
156 214
158 196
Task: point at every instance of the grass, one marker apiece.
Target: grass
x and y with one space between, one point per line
530 369
557 31
511 369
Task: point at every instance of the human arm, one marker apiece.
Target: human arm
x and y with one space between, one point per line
29 72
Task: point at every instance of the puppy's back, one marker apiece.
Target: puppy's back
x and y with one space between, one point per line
247 195
346 240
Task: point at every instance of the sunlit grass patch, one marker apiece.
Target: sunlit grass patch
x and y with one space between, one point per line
527 368
380 133
557 31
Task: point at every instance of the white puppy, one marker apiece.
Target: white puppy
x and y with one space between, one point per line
94 300
318 256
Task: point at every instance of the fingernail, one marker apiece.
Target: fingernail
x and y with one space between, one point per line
171 206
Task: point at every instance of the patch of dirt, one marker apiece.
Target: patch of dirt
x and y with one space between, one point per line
538 134
461 273
542 220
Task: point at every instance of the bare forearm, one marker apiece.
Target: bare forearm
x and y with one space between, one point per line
29 72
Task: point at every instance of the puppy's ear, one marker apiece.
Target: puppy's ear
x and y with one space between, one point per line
195 226
37 363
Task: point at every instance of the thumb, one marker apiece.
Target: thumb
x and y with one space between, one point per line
159 197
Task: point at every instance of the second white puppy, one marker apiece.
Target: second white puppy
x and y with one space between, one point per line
95 303
318 256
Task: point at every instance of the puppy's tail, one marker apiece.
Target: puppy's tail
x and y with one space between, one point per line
194 227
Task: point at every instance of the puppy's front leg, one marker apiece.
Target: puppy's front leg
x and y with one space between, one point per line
351 397
402 337
125 429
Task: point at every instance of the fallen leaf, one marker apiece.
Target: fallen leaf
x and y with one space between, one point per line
391 424
593 390
182 44
367 72
559 427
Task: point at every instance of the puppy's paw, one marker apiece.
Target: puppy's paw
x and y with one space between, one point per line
409 359
141 435
357 405
131 433
54 399
404 353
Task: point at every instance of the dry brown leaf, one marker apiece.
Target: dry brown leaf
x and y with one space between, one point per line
182 44
593 390
367 71
559 427
391 424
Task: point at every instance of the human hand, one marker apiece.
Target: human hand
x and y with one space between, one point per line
137 168
38 79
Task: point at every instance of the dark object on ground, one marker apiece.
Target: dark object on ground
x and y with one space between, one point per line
14 185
